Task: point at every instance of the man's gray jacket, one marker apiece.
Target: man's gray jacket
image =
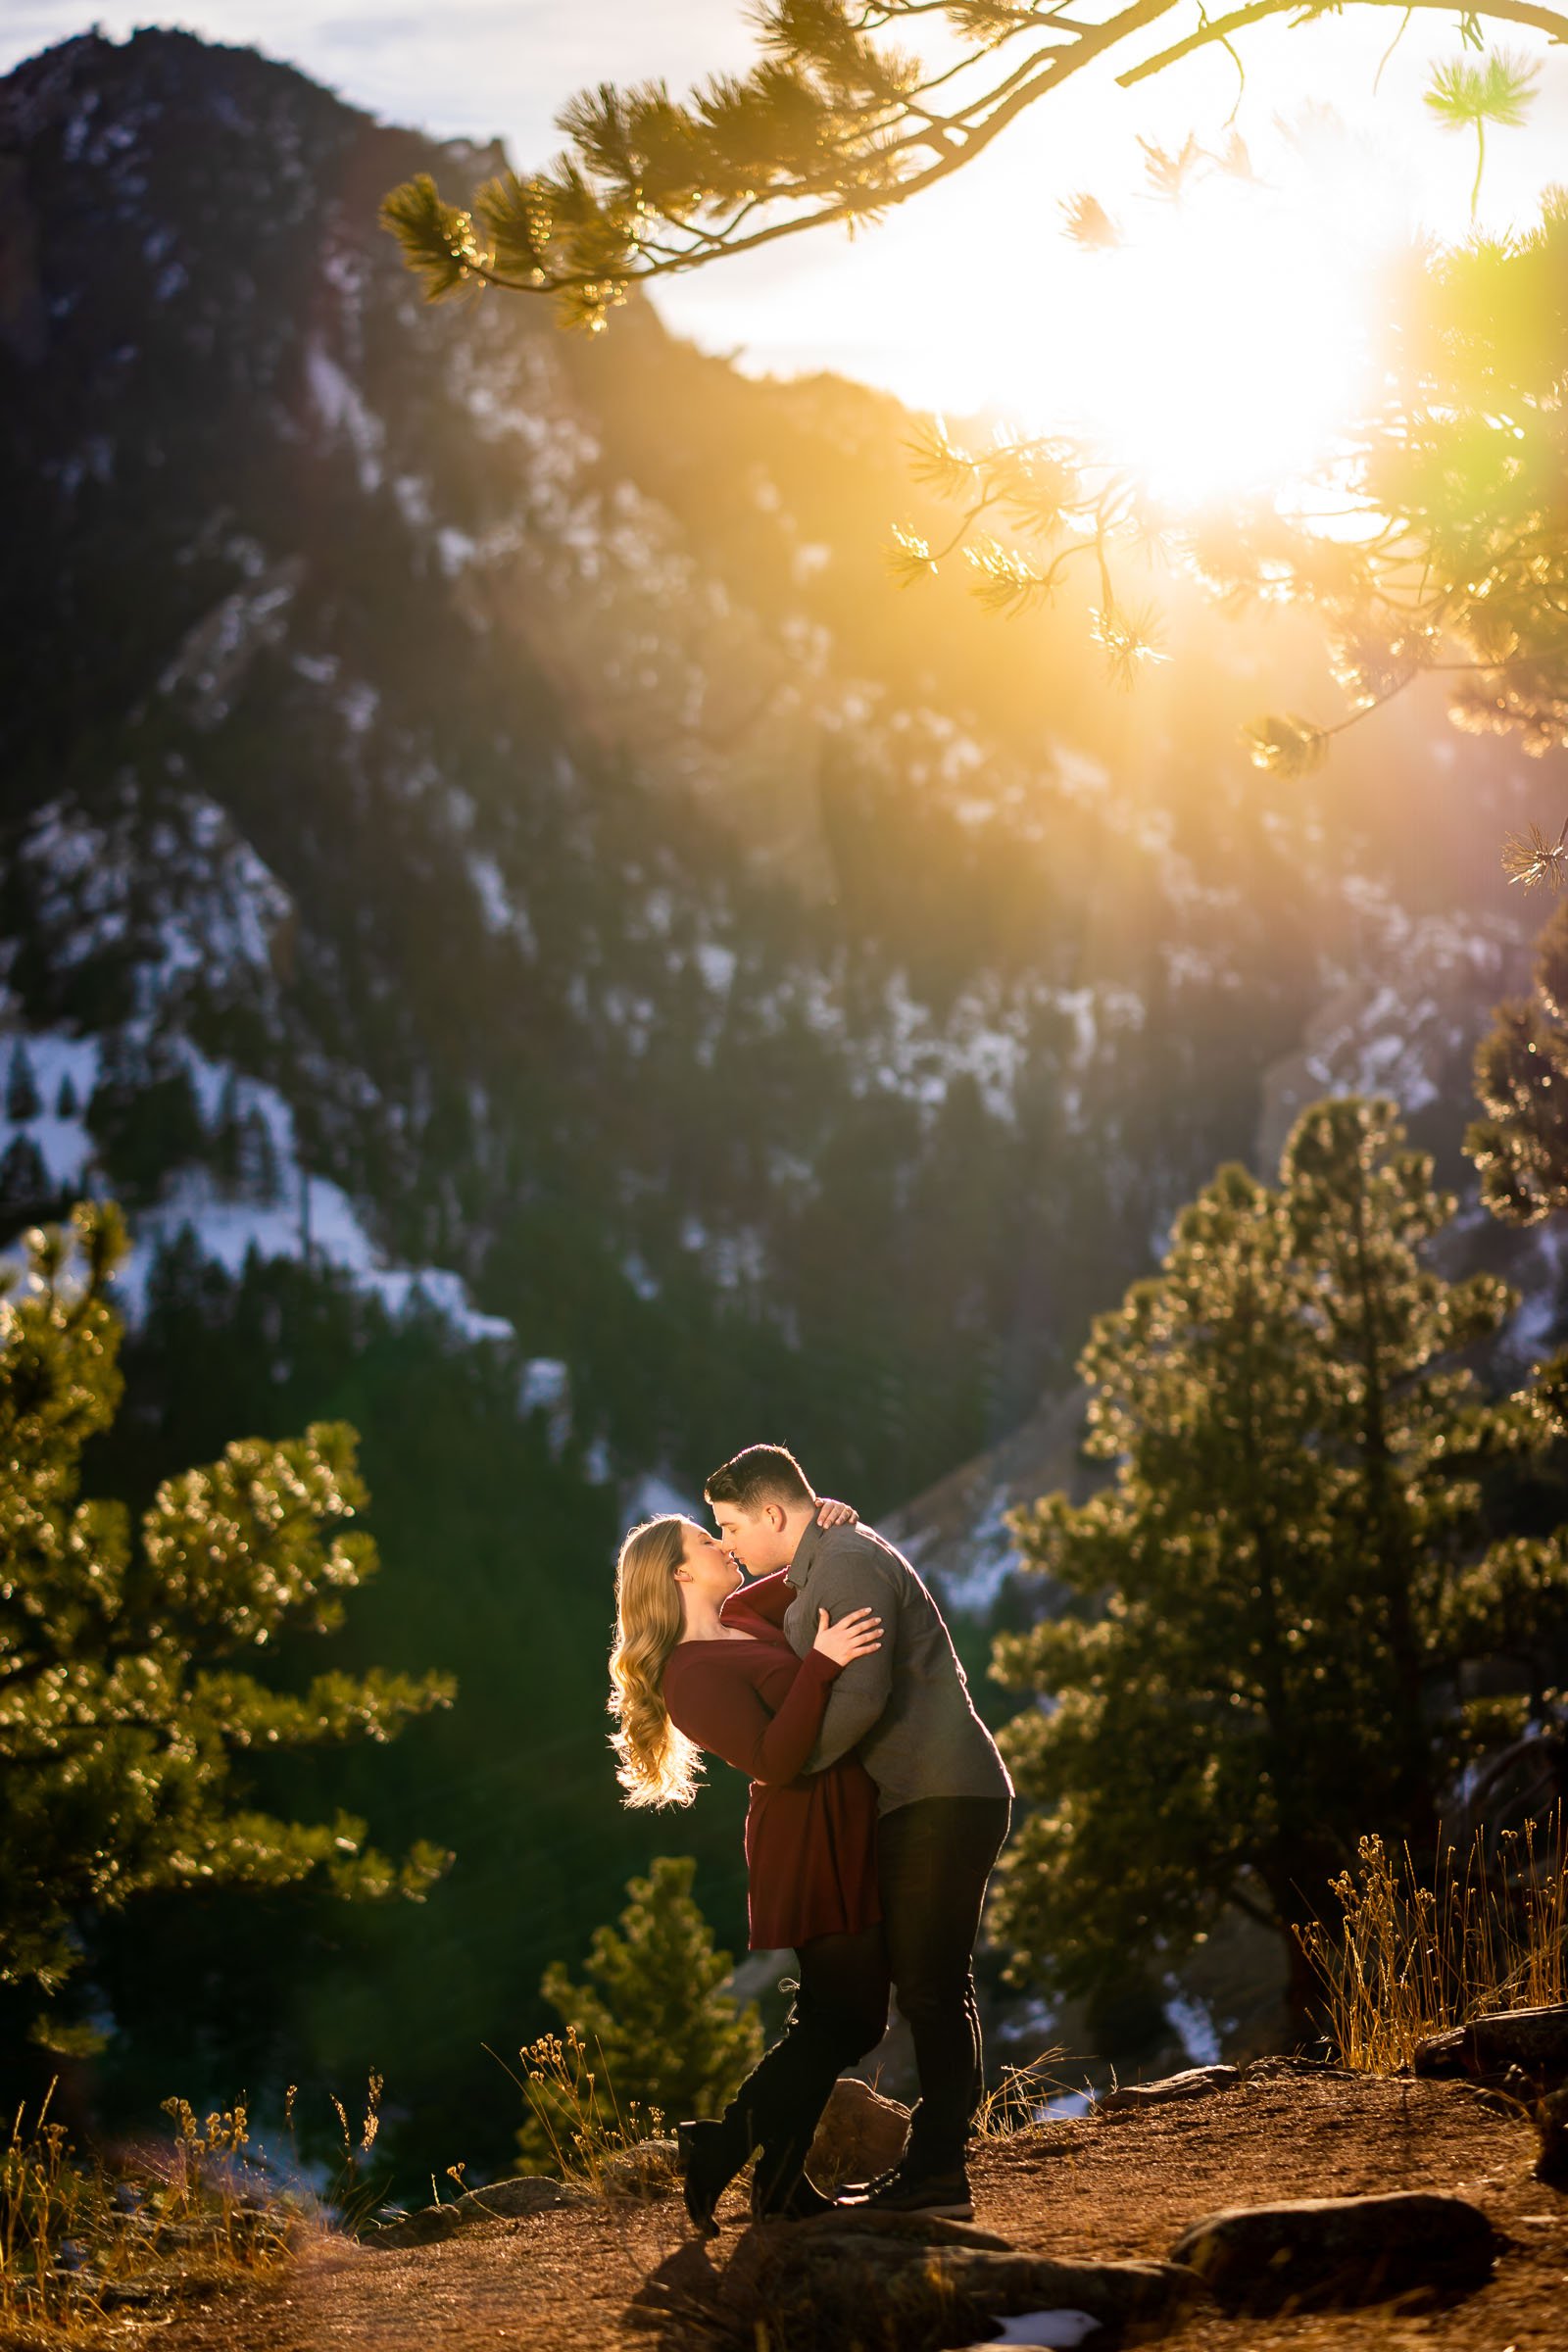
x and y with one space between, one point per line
906 1706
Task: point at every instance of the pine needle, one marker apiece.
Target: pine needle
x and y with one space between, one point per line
1530 857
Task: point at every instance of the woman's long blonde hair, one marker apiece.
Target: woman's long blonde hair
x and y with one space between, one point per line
654 1763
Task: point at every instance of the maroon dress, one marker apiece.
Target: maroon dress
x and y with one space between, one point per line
811 1837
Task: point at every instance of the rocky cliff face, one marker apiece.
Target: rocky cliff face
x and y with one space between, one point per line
471 802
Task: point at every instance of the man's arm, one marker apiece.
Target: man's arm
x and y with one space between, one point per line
854 1579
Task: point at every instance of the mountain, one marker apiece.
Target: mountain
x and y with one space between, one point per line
566 965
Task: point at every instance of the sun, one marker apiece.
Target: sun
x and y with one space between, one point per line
1224 347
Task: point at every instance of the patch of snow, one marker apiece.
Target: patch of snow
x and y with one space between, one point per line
1062 2104
1059 2331
643 1282
545 1387
1191 2020
1079 776
455 550
342 409
216 652
413 495
214 908
716 965
651 1496
995 1556
64 1144
358 705
310 1216
1526 1339
502 912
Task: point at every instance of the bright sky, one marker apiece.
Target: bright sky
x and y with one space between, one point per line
971 296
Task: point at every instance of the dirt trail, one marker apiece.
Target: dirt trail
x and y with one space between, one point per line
611 2276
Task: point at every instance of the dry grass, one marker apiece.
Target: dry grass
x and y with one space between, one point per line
83 2238
1412 1959
1017 2100
576 2123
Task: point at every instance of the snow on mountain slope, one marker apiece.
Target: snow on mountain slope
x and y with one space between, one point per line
469 795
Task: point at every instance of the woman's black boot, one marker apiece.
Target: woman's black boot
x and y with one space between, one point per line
780 2190
712 2153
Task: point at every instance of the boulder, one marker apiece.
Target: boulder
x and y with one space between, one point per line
1195 2082
522 2193
860 2135
426 2226
1315 2253
934 2285
1552 2122
1508 2046
1293 2066
503 2201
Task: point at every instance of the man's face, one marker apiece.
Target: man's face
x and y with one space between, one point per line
756 1537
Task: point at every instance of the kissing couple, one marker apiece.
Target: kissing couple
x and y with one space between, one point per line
805 1650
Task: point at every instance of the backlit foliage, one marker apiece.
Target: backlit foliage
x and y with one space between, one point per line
122 1720
837 120
650 2035
1267 1611
1520 1142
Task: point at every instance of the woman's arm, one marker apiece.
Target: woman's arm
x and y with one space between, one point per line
714 1701
767 1600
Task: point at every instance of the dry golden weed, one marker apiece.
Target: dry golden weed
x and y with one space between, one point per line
1014 2102
81 2236
1411 1959
573 2107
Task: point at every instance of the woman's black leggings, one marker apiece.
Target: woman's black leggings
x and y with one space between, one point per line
840 2012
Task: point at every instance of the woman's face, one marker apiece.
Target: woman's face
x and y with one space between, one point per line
706 1569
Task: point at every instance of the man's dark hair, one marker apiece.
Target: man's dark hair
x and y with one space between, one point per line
760 1474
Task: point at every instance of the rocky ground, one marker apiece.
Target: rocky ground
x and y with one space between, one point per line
625 2271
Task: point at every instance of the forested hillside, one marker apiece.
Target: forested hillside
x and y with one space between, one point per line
568 969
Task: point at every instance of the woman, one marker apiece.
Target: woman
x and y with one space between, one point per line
700 1661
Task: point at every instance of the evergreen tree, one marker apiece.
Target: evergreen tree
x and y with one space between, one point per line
25 1186
658 2036
1270 1605
1521 1069
121 1719
23 1099
837 121
67 1101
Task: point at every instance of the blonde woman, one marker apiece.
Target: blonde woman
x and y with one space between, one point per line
701 1662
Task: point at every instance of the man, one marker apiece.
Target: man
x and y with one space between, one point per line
943 1798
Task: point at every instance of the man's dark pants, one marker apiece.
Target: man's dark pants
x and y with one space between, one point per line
933 1857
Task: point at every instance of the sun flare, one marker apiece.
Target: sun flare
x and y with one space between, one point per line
1225 346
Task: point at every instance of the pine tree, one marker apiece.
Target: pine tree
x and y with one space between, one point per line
1271 1603
23 1099
839 119
659 2036
1521 1071
25 1186
121 1719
